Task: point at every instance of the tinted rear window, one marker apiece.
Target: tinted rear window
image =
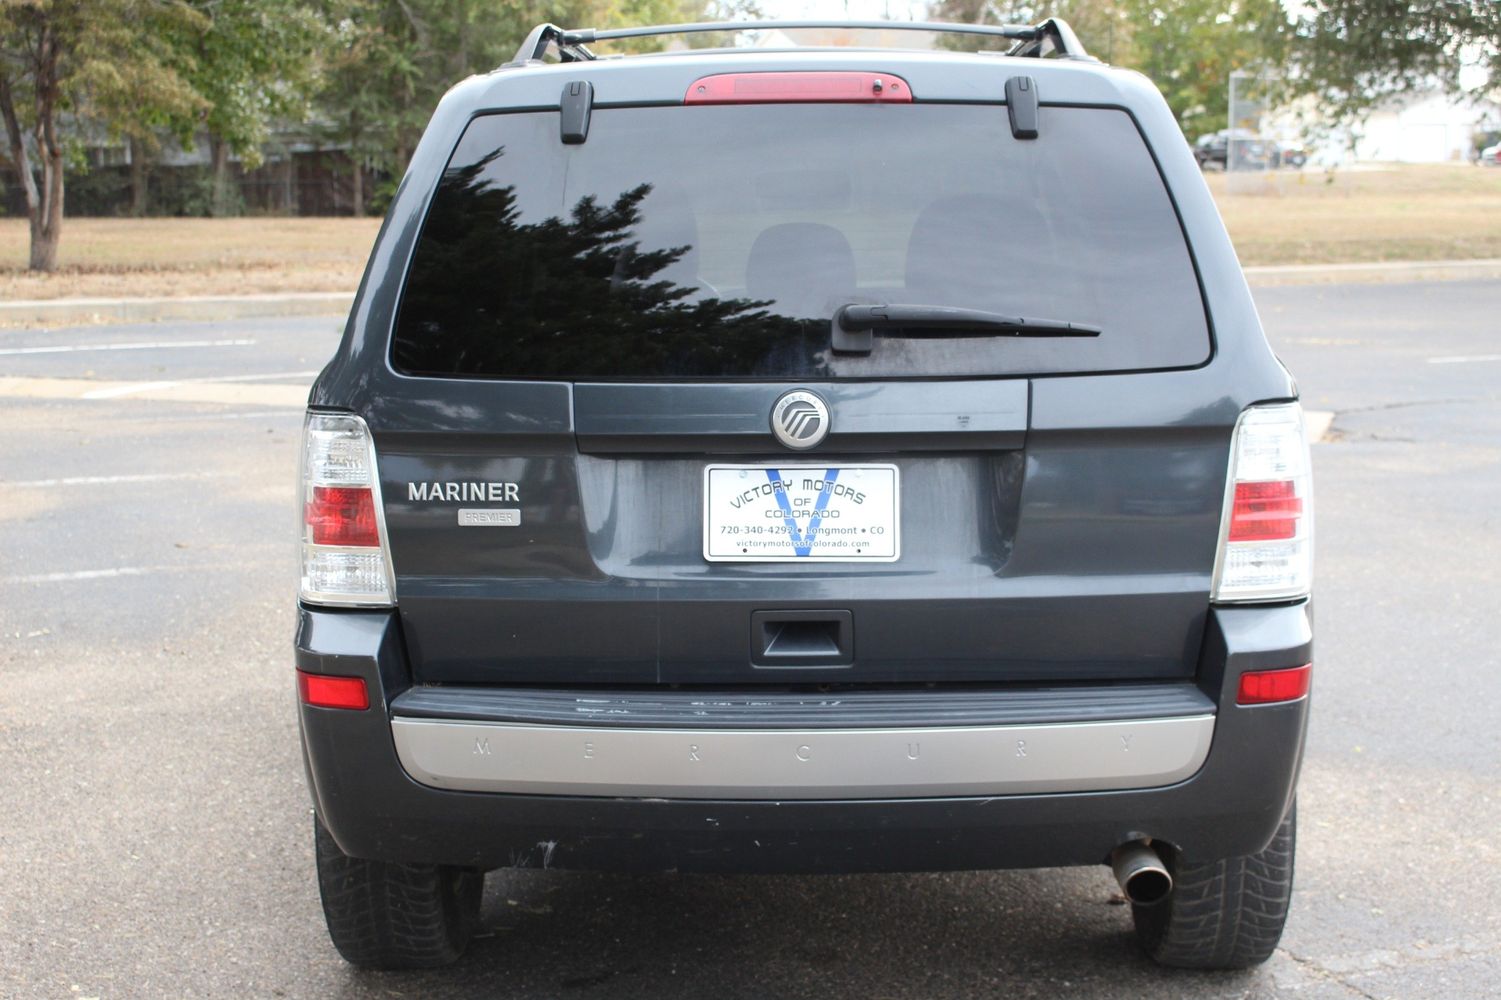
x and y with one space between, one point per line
717 242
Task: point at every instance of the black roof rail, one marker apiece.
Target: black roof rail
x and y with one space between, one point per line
1052 35
543 35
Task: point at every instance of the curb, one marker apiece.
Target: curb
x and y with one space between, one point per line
197 307
208 307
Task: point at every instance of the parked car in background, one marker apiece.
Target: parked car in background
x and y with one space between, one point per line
1490 156
1252 151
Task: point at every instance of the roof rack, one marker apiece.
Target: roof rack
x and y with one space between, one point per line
1051 37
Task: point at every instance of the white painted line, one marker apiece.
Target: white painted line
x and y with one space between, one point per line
1463 359
124 571
261 415
151 477
152 346
1316 424
262 393
133 388
87 574
128 389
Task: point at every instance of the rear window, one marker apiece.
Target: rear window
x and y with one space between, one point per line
717 242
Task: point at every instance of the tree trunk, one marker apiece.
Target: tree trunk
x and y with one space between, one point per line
20 160
138 177
44 204
357 189
47 224
220 203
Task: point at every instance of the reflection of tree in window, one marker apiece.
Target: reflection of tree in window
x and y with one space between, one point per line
489 295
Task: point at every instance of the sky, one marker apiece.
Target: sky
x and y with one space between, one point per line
843 10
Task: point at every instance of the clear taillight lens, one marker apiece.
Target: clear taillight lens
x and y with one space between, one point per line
345 560
1266 536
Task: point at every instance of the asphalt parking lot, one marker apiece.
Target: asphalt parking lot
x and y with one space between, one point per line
155 837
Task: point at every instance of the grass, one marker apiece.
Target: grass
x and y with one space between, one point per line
129 257
1286 217
1438 212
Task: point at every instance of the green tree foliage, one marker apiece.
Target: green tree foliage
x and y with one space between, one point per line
1352 54
389 61
69 61
253 62
1189 48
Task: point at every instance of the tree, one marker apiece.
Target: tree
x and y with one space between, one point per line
1104 26
253 62
1353 54
389 61
1188 47
63 61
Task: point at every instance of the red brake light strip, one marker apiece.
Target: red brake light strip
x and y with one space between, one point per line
794 88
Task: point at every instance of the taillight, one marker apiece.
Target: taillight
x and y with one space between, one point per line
1266 535
345 560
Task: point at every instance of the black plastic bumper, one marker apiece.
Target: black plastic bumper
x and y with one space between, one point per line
374 810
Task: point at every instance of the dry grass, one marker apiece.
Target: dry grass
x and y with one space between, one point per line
1407 213
127 257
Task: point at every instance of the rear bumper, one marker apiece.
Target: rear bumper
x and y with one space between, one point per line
1211 796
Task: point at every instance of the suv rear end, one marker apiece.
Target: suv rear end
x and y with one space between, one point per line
804 461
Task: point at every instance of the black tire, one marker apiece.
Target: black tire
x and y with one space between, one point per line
393 916
1225 914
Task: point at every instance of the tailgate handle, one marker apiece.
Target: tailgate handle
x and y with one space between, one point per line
801 639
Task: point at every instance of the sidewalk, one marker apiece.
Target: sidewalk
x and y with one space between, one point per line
79 312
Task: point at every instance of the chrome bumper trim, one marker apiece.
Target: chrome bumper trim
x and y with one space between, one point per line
802 764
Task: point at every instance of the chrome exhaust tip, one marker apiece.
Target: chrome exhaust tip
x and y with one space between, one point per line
1139 869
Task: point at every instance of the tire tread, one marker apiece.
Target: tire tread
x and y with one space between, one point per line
1226 914
383 915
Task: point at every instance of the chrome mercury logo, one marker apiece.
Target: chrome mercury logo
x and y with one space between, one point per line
800 420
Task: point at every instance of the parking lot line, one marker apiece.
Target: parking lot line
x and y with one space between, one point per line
149 346
1460 359
133 388
224 389
151 477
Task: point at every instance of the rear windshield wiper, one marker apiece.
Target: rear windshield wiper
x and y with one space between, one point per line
854 326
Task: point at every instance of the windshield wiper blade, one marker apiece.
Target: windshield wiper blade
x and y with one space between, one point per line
854 326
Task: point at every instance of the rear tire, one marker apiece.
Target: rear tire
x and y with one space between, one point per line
382 915
1225 914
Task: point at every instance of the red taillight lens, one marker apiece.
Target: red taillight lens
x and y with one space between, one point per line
1265 512
1260 687
789 88
340 515
333 692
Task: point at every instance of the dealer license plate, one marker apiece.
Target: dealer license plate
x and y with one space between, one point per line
811 513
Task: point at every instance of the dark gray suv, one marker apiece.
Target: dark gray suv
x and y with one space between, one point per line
804 460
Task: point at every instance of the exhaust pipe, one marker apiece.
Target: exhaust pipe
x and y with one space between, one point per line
1143 878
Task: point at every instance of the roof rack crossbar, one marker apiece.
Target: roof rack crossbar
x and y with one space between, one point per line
1052 35
586 35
